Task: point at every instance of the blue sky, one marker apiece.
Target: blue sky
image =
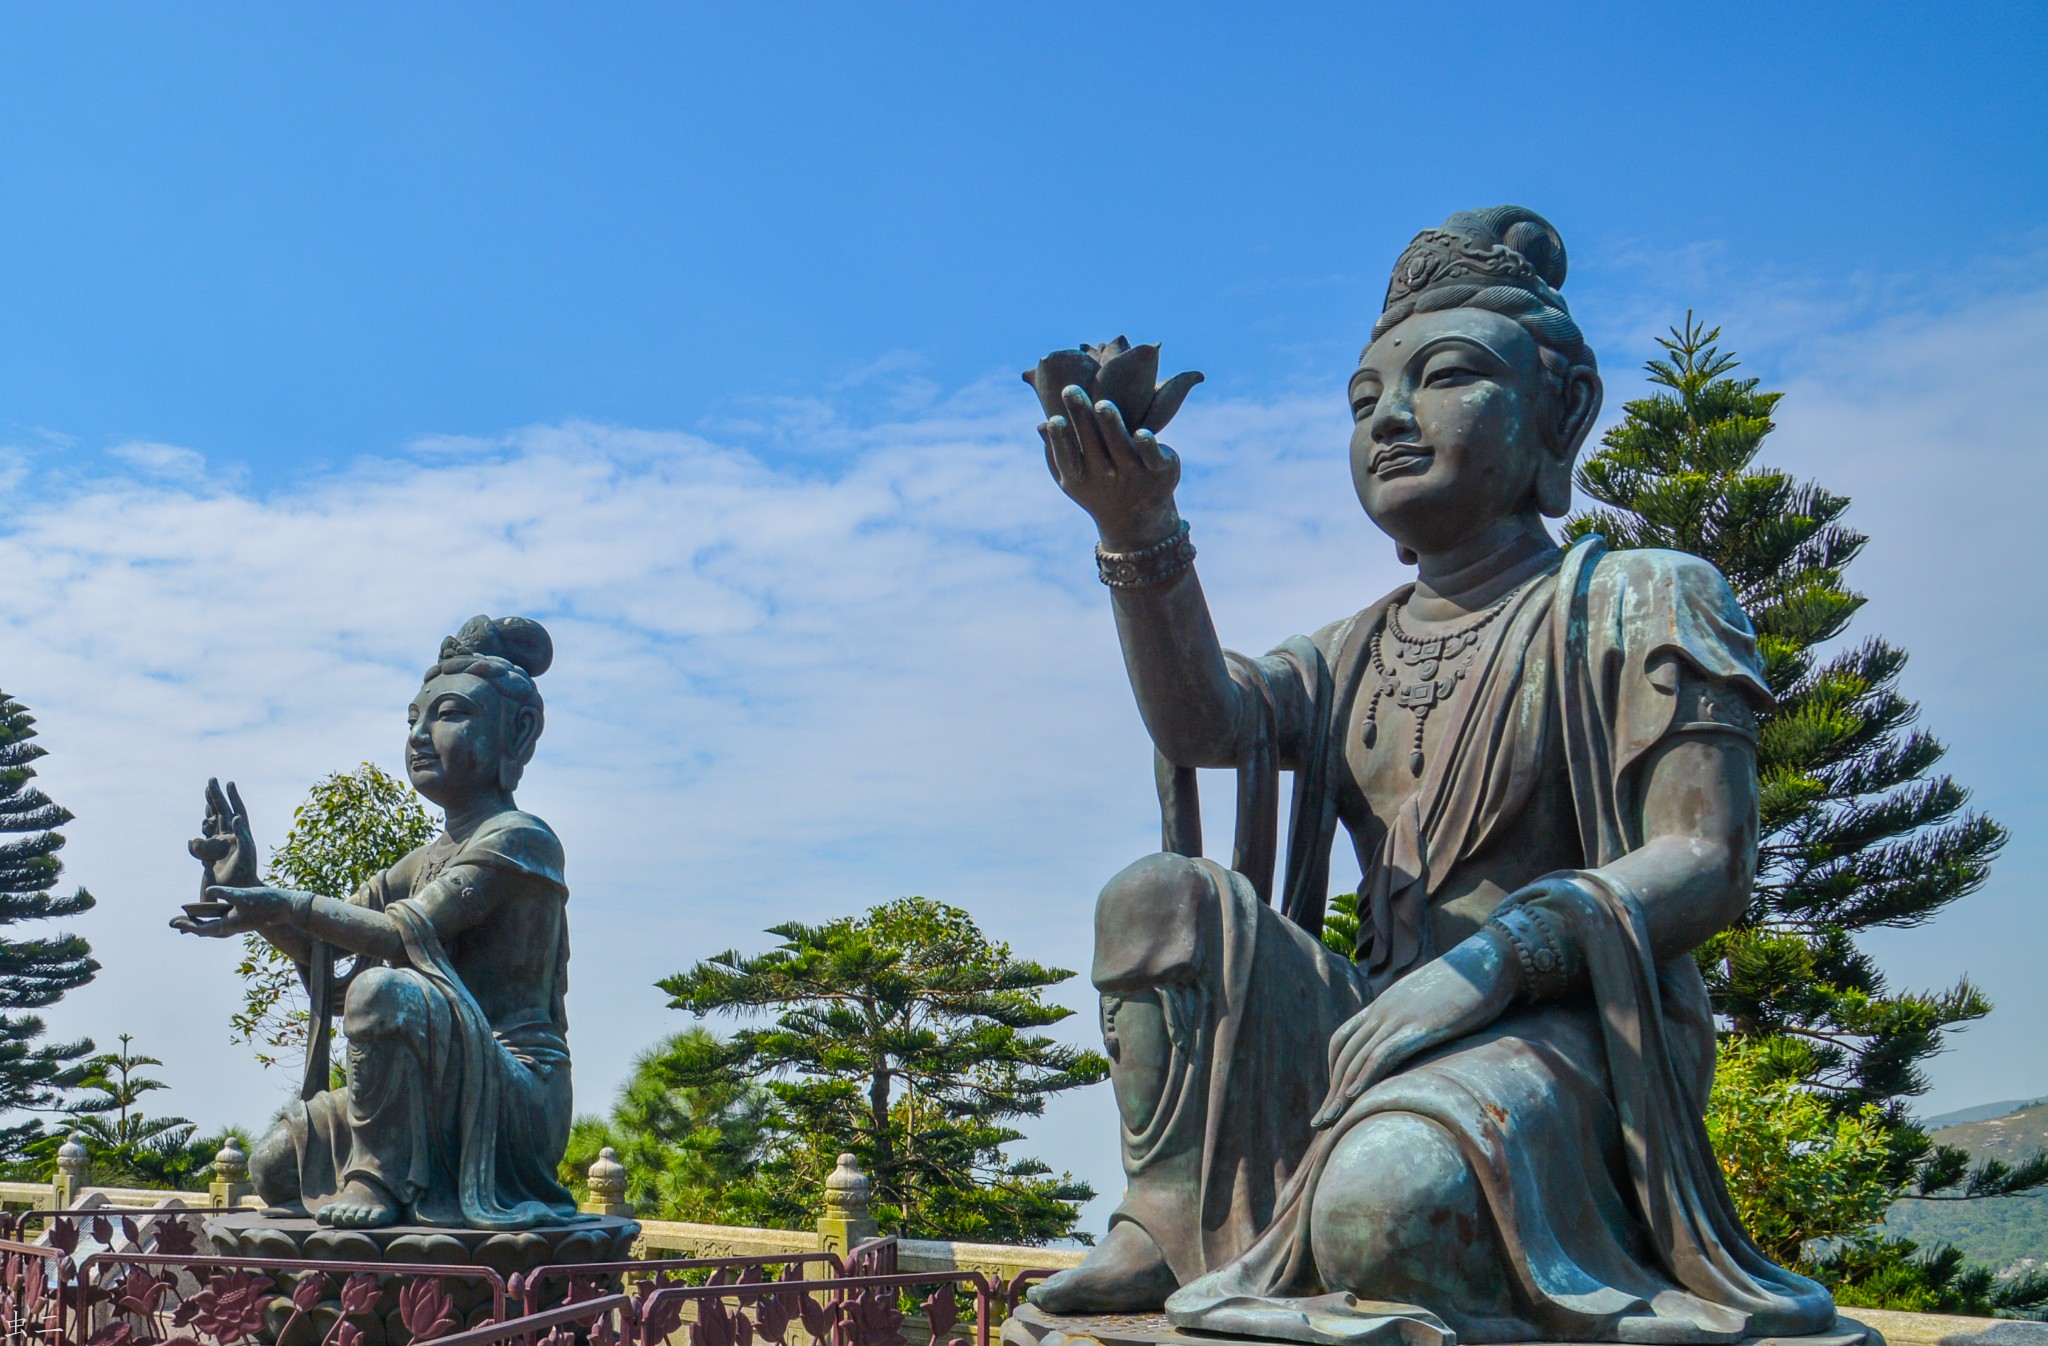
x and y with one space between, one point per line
298 234
695 333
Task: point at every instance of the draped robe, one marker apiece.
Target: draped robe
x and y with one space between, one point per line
462 1119
1582 1118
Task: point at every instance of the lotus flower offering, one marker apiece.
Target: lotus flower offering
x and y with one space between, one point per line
1117 372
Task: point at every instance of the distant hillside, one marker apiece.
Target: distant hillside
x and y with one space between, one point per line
1983 1112
2004 1232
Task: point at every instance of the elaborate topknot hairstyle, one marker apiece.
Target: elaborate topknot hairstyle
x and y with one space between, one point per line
509 653
1507 259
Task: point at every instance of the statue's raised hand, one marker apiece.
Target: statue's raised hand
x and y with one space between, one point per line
224 844
1103 414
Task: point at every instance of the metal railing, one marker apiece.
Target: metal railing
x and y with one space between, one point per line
31 1293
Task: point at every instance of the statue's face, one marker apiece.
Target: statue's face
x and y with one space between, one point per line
1448 435
456 740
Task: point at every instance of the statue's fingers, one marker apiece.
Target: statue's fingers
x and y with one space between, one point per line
1116 439
1342 1075
1051 453
1067 444
1087 433
1152 455
236 808
1347 1033
1398 1050
216 802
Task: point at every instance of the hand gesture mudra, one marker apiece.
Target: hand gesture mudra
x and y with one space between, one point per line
226 849
1103 415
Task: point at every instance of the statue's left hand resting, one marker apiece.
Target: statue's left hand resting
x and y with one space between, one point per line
1446 998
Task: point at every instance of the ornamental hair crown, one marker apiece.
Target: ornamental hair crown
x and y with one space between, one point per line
1499 245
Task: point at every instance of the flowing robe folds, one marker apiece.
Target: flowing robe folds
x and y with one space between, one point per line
1580 1118
460 1113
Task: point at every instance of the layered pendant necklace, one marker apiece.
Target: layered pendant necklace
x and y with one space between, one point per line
1423 672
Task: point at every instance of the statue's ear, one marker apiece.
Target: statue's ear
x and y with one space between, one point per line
522 732
1578 408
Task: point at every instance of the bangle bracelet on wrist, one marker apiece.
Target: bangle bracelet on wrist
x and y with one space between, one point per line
1160 561
1547 955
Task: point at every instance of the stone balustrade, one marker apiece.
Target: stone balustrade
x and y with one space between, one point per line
844 1221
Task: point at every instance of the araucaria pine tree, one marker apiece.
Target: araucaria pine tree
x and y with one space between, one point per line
1859 829
906 1037
36 972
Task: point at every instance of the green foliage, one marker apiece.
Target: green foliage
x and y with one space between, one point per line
689 1149
1858 830
351 825
903 1037
2000 1234
34 973
1340 924
1881 1272
124 1146
1797 1169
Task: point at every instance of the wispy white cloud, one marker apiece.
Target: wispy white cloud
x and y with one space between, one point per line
161 460
793 684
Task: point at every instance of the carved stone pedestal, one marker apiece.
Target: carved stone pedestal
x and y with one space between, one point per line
1029 1327
466 1301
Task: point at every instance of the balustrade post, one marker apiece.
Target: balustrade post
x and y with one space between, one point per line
69 1179
230 1176
845 1222
607 1180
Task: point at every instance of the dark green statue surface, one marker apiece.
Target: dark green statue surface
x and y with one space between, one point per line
456 1109
1487 1124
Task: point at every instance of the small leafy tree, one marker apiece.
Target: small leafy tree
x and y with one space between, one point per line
903 1036
351 825
1797 1170
34 973
686 1146
125 1146
1859 831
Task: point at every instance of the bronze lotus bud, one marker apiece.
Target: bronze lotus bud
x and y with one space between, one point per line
1116 372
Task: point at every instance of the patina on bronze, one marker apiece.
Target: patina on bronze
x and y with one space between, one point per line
457 1107
1487 1125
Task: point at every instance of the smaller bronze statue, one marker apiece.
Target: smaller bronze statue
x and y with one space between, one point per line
456 1109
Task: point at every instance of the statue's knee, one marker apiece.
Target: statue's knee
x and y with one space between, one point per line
1398 1209
1149 923
274 1166
384 1003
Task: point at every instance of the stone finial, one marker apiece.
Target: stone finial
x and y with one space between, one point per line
230 1163
607 1183
230 1175
69 1179
847 1190
846 1223
71 1157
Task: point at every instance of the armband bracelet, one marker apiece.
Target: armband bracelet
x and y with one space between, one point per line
1136 569
1549 958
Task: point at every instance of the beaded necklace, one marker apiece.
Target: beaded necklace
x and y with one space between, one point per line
1423 659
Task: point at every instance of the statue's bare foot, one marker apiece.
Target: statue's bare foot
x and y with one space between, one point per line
1125 1273
360 1204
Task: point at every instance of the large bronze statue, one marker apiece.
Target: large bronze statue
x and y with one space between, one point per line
456 1110
1489 1120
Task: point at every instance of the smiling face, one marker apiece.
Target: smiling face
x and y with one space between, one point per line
456 741
1453 421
